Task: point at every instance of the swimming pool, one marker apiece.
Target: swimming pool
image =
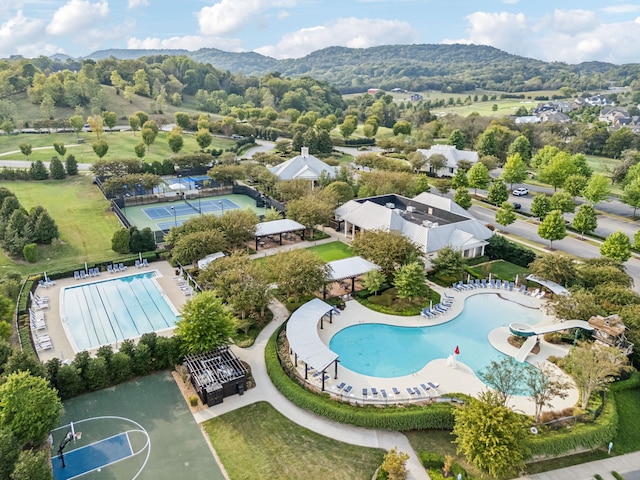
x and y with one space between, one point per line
386 351
109 311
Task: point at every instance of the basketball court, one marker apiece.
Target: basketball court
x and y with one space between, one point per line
137 430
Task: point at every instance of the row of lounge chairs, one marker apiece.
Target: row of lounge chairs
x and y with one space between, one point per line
82 274
42 342
116 267
438 309
143 263
428 388
499 284
38 302
46 282
185 286
36 320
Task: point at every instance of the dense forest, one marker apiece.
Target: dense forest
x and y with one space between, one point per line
453 68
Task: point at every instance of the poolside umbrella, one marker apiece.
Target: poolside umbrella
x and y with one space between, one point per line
140 256
86 268
457 350
45 276
517 276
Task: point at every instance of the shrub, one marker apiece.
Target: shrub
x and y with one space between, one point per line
501 248
193 400
431 460
30 252
120 367
120 241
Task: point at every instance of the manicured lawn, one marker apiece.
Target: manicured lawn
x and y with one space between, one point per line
568 461
83 217
329 252
628 438
258 443
501 269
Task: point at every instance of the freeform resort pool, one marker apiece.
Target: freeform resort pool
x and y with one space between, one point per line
387 351
112 310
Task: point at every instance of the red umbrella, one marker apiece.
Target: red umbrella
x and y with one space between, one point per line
457 350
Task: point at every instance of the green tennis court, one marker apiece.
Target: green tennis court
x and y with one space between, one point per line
142 429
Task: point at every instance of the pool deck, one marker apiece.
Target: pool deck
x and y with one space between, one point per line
62 348
460 379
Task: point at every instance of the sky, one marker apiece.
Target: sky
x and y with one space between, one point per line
571 31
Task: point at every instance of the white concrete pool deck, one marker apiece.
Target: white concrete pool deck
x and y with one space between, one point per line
62 347
451 380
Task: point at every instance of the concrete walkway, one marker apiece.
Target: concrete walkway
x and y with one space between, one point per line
626 465
265 391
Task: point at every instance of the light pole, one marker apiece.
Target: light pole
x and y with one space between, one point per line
199 206
221 206
175 220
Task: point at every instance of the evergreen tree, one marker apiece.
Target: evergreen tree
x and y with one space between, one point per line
38 171
45 229
56 168
71 165
497 192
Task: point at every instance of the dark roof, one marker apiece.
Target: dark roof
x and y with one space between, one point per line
215 367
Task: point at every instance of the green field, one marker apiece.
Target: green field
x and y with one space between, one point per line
258 443
84 220
628 405
329 252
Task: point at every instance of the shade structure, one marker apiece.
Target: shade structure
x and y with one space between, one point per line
350 268
275 227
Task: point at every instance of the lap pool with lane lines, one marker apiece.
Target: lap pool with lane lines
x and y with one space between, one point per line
110 311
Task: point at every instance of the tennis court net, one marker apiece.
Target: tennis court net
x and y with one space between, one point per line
192 206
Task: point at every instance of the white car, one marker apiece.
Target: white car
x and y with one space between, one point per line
519 192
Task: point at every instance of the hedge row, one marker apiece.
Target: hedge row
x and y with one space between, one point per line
435 416
585 435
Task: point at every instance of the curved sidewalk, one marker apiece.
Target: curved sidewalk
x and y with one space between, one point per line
626 465
265 391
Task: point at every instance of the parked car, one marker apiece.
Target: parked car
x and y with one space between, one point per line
518 192
516 205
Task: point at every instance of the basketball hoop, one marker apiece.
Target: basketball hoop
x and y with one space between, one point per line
77 436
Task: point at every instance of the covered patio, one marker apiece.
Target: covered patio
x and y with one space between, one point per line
348 269
276 228
555 288
305 343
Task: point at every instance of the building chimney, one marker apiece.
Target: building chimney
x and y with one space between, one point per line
304 151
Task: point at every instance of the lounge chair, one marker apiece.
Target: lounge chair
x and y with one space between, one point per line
535 292
462 286
116 268
34 314
484 283
364 392
42 284
383 392
522 288
39 305
374 391
83 275
448 297
511 284
455 287
37 324
42 345
425 388
348 389
145 263
416 391
76 275
434 386
395 391
426 313
123 267
48 281
341 386
410 391
110 268
138 264
541 294
336 310
477 283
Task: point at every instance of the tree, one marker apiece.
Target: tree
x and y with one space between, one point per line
60 148
96 124
597 189
592 368
562 201
140 150
417 160
148 137
506 215
631 194
559 168
191 247
394 464
25 149
457 139
449 261
522 146
206 323
410 281
463 198
204 138
574 184
544 386
29 407
348 126
373 281
77 123
141 83
100 147
299 273
617 246
134 123
310 210
38 171
56 168
120 241
497 193
388 250
515 170
9 451
553 227
239 226
71 165
402 127
585 220
44 227
110 119
342 191
504 377
478 177
175 140
490 435
459 179
540 206
182 120
32 465
437 161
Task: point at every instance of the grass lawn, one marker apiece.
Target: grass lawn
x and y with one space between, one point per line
257 442
568 461
83 217
501 269
628 405
329 252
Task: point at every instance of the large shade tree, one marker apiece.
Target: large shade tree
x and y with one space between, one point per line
388 250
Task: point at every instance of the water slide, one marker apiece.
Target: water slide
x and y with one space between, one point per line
525 330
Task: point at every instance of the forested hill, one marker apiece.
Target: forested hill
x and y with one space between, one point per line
453 68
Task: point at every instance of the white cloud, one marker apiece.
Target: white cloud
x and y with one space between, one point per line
137 3
76 15
348 32
18 31
283 14
569 21
510 2
227 16
193 42
624 8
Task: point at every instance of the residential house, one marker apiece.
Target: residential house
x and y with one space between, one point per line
430 221
525 119
303 166
452 155
615 116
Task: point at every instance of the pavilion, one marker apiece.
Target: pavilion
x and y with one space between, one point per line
348 268
277 227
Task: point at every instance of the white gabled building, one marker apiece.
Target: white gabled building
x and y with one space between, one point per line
303 166
453 156
432 222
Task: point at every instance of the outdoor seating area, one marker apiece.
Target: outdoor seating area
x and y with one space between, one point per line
37 322
498 284
426 391
433 310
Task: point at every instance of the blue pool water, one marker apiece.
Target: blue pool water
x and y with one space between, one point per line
109 311
387 351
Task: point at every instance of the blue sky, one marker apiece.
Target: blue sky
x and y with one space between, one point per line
568 30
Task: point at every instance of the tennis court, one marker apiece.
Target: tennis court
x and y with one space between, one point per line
137 430
190 183
186 207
